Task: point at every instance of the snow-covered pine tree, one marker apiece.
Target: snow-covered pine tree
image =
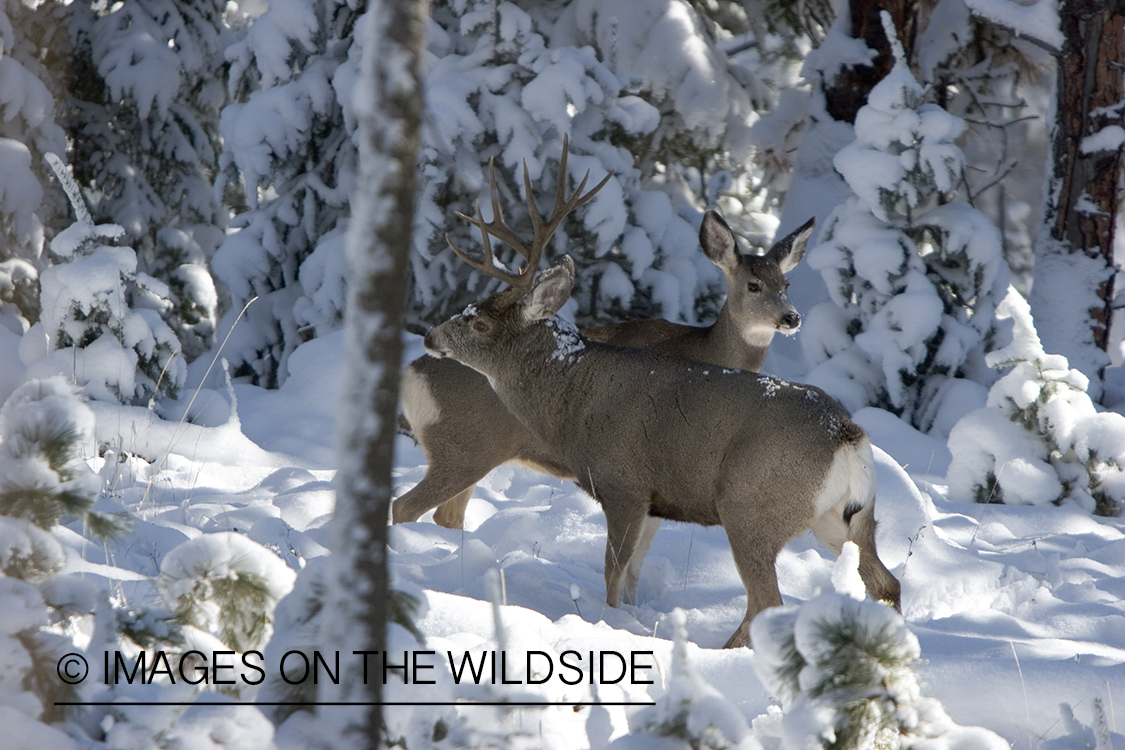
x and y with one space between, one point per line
671 55
783 34
846 672
1040 439
914 280
29 202
46 433
288 143
100 320
225 585
150 86
538 74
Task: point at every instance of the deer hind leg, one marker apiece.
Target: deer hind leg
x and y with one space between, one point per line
851 518
451 513
633 572
439 485
880 584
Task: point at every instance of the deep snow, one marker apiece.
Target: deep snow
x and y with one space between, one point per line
1017 609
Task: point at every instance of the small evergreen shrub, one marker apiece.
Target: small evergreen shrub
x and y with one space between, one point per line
226 585
846 671
1040 439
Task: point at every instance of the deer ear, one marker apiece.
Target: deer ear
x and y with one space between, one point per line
550 292
789 251
717 241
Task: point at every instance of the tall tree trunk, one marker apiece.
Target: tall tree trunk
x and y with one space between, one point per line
844 95
389 107
1073 290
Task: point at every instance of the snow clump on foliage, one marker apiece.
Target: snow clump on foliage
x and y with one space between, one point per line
46 433
101 319
1040 439
913 285
845 670
690 709
226 585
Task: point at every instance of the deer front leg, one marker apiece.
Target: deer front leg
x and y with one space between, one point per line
625 525
633 574
756 539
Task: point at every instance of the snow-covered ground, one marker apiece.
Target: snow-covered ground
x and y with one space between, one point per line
1017 609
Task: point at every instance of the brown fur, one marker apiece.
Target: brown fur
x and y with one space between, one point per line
476 433
651 435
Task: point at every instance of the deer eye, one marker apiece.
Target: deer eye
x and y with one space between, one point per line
754 286
480 326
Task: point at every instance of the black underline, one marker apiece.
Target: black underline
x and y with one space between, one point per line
511 704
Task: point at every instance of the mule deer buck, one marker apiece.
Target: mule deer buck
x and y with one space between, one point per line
650 435
466 431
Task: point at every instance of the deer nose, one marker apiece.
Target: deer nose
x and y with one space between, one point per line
791 320
431 345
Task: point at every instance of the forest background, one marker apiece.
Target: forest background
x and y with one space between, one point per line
206 165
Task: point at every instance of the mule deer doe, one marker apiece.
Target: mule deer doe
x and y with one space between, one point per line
648 434
466 431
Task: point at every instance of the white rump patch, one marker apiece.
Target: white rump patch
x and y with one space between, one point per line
850 479
418 403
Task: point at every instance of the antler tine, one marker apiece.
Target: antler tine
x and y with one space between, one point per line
542 231
498 227
488 265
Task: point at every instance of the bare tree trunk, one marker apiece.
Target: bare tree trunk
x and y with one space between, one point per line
389 108
848 92
1073 289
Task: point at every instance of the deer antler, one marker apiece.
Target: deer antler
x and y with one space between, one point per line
520 282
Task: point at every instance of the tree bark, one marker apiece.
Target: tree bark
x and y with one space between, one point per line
848 92
389 110
1084 188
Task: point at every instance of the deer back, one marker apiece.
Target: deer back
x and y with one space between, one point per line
654 426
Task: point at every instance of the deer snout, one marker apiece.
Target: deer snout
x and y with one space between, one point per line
790 322
433 347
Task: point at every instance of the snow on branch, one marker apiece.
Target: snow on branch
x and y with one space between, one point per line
1038 22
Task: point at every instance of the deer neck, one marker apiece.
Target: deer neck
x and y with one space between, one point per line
548 379
734 346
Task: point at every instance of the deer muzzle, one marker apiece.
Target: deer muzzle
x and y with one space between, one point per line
432 342
790 322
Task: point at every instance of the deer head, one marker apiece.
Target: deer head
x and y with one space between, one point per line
482 327
757 290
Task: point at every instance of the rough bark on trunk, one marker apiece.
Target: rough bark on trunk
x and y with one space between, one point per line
389 111
1084 189
848 92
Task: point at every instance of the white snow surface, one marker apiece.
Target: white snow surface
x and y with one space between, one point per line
983 585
